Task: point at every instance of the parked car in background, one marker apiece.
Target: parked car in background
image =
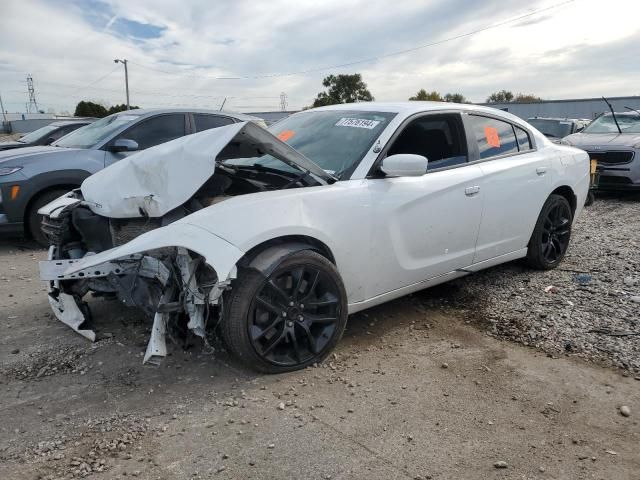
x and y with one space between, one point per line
556 129
32 177
46 135
614 143
329 212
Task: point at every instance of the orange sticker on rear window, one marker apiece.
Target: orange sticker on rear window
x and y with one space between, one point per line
491 134
286 135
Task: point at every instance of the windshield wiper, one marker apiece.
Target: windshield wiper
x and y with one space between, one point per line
614 114
632 109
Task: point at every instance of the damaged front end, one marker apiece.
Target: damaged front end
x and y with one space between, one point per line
169 284
120 235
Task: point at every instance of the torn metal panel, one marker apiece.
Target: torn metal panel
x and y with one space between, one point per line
68 312
157 346
194 299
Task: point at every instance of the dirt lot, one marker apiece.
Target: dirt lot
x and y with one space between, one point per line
423 387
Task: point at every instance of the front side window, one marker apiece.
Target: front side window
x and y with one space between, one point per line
206 122
156 130
494 137
97 132
439 138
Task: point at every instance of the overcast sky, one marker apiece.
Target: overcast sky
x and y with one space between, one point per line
587 48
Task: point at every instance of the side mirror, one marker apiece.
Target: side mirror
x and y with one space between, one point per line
404 165
123 145
49 141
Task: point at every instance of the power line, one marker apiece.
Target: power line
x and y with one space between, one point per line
370 59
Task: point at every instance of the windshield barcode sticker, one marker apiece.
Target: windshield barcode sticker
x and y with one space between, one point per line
357 123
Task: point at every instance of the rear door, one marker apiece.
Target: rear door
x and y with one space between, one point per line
204 121
515 183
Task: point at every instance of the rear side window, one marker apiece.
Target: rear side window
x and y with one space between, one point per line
205 122
524 142
157 130
494 137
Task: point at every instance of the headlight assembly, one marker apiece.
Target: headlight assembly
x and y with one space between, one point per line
8 170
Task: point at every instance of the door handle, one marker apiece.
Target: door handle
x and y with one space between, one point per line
541 170
471 191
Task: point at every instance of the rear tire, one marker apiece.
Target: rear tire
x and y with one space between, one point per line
34 221
551 235
289 320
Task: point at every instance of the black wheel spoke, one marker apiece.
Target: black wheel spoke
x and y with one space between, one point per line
281 293
311 341
296 347
321 319
257 333
312 287
275 342
299 283
266 304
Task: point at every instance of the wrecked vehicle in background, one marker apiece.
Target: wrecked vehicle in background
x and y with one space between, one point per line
274 237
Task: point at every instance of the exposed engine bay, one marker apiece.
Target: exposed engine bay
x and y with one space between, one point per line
174 286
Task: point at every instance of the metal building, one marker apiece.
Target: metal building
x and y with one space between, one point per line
588 108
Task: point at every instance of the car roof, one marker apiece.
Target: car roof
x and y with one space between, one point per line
559 119
411 107
64 123
155 111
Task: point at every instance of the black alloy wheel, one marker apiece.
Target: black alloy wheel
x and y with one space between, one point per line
550 239
291 319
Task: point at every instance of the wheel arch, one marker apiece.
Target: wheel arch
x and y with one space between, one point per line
39 193
568 193
267 255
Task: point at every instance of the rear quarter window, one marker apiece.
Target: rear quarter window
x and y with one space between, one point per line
494 137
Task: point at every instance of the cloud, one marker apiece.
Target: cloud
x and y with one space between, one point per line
176 49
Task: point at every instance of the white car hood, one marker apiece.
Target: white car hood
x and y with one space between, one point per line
159 179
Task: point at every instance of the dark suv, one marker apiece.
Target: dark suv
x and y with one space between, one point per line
34 176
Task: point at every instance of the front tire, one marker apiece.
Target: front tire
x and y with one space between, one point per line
289 320
551 235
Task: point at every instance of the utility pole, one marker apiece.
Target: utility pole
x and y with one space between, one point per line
126 77
283 102
4 115
32 95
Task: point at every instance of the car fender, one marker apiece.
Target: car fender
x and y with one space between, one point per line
218 253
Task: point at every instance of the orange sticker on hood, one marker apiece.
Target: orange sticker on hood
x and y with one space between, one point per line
491 134
286 135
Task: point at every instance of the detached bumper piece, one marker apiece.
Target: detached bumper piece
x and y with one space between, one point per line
161 287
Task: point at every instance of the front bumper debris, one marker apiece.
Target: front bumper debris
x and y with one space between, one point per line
179 292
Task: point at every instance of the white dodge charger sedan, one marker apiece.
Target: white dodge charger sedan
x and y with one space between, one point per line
271 238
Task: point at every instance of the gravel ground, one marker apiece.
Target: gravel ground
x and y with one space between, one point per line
424 387
589 306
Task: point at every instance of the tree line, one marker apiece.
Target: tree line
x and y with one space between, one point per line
343 88
350 88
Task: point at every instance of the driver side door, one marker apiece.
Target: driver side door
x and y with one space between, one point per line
149 133
425 226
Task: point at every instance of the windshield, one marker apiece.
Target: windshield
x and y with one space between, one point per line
96 132
37 134
334 140
629 123
552 128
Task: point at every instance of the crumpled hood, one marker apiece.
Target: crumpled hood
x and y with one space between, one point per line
159 179
583 140
22 156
